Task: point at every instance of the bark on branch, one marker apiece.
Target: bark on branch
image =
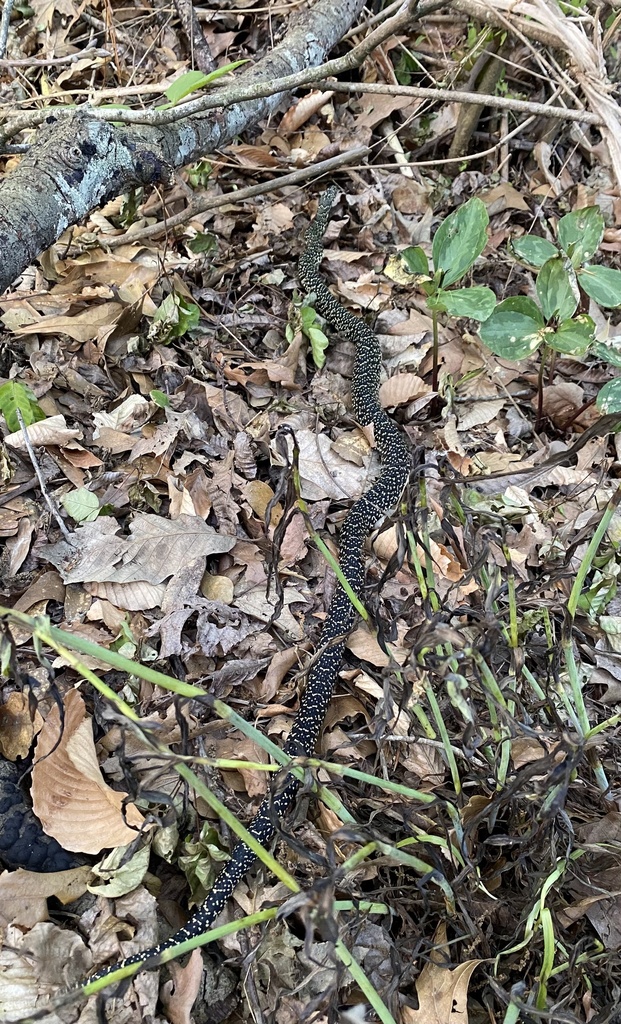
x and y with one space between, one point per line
78 162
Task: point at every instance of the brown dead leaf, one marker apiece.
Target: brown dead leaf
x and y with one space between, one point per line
66 886
575 911
250 780
474 414
561 401
442 993
17 730
133 597
35 965
272 220
402 389
363 643
426 762
525 750
179 995
376 107
258 494
503 197
217 588
300 112
605 917
53 430
69 794
293 547
323 473
19 546
277 669
96 323
130 415
156 549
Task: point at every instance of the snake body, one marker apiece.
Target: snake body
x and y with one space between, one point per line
364 514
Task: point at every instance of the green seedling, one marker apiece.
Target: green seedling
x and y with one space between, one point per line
456 245
16 396
519 326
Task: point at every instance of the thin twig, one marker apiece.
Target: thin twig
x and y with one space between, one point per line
48 498
35 62
476 98
214 202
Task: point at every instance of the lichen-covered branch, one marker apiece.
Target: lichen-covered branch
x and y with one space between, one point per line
77 163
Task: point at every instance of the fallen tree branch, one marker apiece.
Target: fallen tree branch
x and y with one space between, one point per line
244 89
79 162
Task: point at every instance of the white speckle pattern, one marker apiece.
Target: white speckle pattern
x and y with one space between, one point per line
379 500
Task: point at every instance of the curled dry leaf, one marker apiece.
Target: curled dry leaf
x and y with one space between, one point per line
17 729
69 794
34 966
53 430
300 112
402 389
179 995
442 993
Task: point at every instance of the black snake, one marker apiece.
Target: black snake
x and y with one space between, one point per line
364 514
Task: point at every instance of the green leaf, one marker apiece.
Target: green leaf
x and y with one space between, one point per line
415 260
580 233
199 861
202 242
515 329
319 344
609 350
178 313
573 337
159 398
308 317
557 289
82 505
533 250
459 240
609 398
13 396
477 302
191 81
602 284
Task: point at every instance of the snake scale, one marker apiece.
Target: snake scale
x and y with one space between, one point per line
381 498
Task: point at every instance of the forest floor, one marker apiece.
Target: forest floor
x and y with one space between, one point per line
482 700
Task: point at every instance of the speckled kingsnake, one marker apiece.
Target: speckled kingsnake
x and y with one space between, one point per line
382 497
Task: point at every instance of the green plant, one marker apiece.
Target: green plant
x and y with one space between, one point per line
192 81
519 326
304 318
16 396
174 317
456 245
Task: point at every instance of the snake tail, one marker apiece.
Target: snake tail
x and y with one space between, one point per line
381 498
